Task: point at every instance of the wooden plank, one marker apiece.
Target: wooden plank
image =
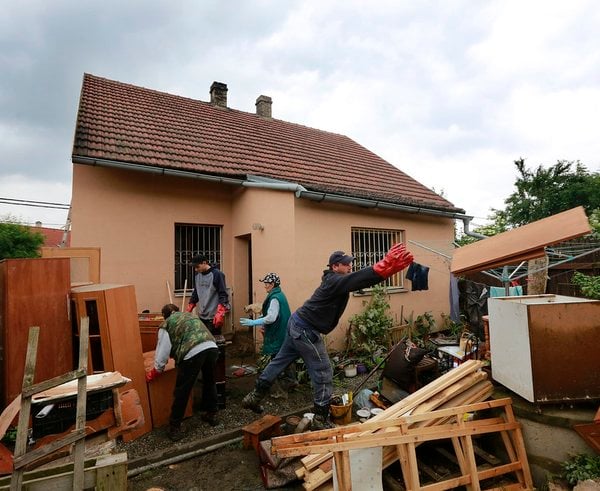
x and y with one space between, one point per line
80 415
520 449
393 439
23 426
510 247
342 470
418 397
60 477
10 412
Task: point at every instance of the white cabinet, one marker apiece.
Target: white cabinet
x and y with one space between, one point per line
546 347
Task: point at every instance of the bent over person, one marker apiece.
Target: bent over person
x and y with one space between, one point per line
319 315
184 337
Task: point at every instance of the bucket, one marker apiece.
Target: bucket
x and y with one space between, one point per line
341 415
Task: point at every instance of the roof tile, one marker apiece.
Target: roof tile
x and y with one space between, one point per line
126 123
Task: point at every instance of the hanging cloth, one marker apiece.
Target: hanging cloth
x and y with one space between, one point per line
418 275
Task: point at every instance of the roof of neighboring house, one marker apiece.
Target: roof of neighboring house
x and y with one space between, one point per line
129 124
52 236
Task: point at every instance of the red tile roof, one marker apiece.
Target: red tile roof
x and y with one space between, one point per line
130 124
52 236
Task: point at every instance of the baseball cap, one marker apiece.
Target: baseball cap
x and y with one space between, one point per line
340 257
271 278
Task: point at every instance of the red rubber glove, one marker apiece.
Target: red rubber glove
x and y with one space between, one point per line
152 374
190 307
219 317
395 260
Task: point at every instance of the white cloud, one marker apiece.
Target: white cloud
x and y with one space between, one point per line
450 92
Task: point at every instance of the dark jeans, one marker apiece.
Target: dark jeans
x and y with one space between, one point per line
187 373
215 331
307 344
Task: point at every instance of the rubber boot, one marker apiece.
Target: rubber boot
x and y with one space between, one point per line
321 419
253 399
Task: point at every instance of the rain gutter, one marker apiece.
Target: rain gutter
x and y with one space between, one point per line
299 190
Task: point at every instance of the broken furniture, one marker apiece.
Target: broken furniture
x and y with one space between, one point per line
545 347
33 292
399 437
466 384
264 428
114 337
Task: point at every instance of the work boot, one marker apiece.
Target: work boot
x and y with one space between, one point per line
210 417
174 433
252 400
321 419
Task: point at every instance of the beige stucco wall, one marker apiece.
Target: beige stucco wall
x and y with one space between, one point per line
131 216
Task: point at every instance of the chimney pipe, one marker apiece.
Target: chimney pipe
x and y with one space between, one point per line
218 94
263 106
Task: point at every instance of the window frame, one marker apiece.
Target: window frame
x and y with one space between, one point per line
203 238
380 239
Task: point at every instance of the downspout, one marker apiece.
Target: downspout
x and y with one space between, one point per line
466 220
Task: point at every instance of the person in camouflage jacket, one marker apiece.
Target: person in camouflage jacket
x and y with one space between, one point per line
184 337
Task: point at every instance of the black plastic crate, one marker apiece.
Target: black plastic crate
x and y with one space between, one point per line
61 416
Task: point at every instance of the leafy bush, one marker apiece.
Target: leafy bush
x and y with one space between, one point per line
369 330
17 241
581 467
589 285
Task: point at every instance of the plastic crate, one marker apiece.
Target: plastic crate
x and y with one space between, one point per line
61 415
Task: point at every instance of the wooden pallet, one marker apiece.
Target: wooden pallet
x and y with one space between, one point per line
341 441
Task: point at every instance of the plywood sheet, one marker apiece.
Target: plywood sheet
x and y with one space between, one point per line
522 243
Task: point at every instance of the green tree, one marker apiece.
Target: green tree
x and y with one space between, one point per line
547 191
18 241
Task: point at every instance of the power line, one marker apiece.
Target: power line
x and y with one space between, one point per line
37 204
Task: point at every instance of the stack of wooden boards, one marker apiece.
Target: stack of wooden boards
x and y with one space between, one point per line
434 412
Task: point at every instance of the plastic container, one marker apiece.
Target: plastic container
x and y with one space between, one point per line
350 371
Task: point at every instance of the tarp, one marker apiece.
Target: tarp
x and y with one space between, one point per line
520 244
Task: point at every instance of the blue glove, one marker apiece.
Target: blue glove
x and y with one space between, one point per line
251 322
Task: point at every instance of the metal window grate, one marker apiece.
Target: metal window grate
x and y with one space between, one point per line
189 241
369 245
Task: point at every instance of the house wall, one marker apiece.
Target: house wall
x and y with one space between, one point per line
317 238
131 216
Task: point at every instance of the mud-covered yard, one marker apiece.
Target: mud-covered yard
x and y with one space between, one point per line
156 460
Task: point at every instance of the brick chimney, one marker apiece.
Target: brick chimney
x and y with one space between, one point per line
263 106
218 94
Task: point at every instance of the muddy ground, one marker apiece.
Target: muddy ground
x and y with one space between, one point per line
230 467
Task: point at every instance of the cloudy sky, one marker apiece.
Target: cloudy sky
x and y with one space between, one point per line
451 92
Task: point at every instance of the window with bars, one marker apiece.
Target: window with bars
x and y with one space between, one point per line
189 241
369 245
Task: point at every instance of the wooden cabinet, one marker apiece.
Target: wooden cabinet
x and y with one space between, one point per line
115 343
33 292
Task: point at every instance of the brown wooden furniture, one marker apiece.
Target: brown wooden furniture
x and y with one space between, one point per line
264 428
33 292
160 391
149 324
85 262
115 343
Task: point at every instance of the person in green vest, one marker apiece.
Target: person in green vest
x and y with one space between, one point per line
184 337
273 325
